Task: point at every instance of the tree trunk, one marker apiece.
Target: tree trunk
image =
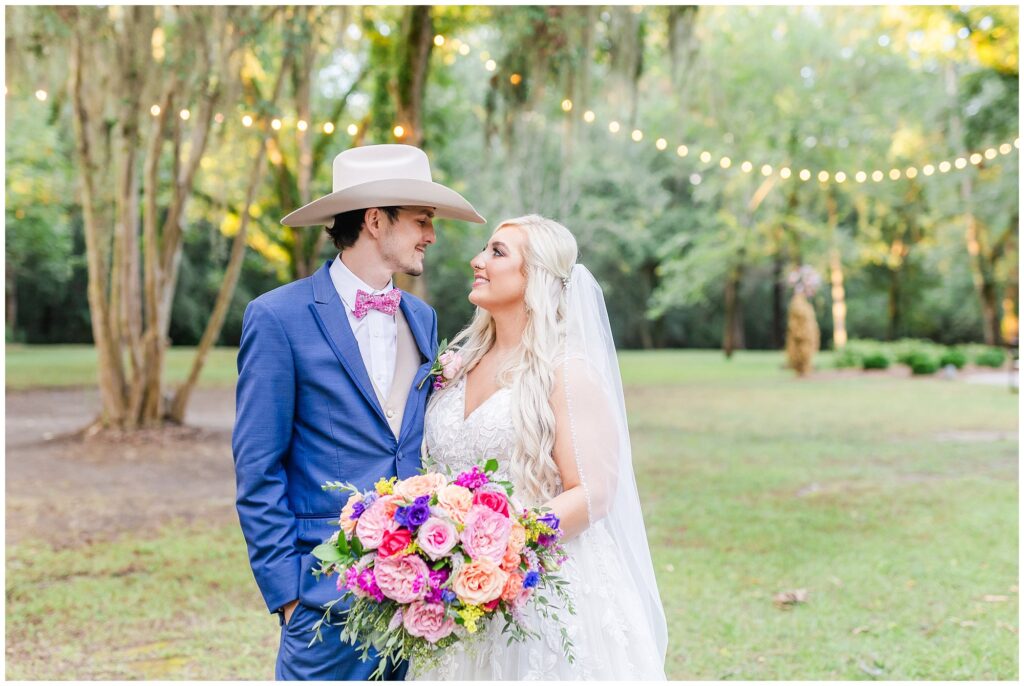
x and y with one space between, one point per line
682 48
234 269
836 276
733 334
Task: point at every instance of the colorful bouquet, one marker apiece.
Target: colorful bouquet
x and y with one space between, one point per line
427 559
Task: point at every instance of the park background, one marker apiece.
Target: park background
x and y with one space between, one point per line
857 520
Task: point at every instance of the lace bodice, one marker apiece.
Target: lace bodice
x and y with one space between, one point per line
459 443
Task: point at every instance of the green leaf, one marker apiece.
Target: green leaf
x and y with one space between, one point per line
343 545
357 546
491 466
327 552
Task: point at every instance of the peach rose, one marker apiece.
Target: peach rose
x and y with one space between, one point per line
455 501
377 519
479 582
421 484
510 562
348 525
517 537
513 587
402 577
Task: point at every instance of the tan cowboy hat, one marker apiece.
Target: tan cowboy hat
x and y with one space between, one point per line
382 176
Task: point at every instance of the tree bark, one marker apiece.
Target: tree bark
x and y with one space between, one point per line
234 268
836 276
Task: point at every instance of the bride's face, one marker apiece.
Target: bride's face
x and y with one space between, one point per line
498 278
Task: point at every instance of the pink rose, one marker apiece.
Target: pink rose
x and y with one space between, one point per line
486 534
492 500
402 577
455 501
451 363
428 621
437 537
510 561
479 582
394 542
422 484
377 519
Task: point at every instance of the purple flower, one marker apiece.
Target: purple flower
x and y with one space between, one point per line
434 596
369 498
551 519
531 579
474 478
438 577
368 583
414 515
357 510
546 540
448 596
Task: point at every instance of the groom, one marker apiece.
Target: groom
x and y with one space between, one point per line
329 373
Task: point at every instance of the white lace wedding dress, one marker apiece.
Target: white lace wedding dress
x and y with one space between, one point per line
611 640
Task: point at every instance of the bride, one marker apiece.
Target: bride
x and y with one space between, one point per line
539 389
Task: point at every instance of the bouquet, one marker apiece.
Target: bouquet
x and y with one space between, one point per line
427 560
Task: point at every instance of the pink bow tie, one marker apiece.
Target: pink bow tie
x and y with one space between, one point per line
386 302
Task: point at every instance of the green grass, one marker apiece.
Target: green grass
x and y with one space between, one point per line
856 489
56 366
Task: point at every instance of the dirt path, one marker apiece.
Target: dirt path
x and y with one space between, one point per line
72 492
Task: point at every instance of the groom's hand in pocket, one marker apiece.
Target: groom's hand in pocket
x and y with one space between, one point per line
288 610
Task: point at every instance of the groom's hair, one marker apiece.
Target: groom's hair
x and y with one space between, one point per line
347 226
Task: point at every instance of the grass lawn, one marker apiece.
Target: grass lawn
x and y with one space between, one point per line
55 366
891 501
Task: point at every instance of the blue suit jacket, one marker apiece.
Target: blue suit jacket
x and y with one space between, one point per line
306 413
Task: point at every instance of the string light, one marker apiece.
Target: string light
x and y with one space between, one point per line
860 177
877 175
490 65
637 135
40 95
613 127
515 79
725 162
747 166
766 170
1005 149
184 114
438 40
976 158
911 172
785 172
463 49
567 105
944 166
352 129
840 177
929 169
705 157
991 153
588 117
661 144
823 176
301 125
805 174
275 124
399 131
682 151
155 110
328 128
247 121
960 163
894 174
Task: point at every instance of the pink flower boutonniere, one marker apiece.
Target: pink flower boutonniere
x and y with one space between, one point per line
446 365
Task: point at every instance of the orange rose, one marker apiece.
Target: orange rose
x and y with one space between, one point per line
513 587
510 562
479 582
421 484
517 537
455 501
348 525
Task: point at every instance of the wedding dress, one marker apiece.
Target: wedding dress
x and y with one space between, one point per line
618 629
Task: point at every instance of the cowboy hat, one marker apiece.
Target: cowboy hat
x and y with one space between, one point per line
382 176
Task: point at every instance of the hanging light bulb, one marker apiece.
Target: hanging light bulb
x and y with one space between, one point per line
490 65
588 117
40 95
567 105
184 114
275 124
785 172
960 163
613 127
976 158
991 153
399 131
725 162
877 175
766 170
1005 149
805 174
823 176
682 151
328 128
463 49
155 110
747 166
247 121
928 169
352 129
840 177
301 125
661 144
944 166
911 172
637 135
705 157
439 40
860 177
894 174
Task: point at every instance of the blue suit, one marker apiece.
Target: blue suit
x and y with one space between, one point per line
307 413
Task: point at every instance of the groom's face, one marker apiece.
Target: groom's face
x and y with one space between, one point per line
403 244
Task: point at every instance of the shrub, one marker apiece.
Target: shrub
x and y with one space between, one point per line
954 357
923 363
991 357
876 360
845 358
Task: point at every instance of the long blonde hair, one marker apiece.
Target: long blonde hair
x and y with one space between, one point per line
548 257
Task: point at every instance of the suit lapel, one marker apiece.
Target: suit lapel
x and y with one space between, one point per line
422 340
330 313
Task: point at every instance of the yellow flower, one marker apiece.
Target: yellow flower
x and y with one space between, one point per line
469 615
386 486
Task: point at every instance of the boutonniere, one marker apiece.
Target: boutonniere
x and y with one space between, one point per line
446 365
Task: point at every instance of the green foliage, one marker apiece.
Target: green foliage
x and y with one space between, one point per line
922 363
990 357
877 360
954 357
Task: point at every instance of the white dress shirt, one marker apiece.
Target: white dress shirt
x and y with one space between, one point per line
376 333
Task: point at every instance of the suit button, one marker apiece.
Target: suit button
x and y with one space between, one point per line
391 413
